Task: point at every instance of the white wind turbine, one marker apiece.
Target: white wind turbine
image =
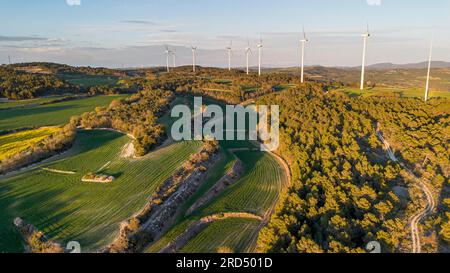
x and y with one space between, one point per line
365 36
427 88
174 58
304 41
260 46
230 52
248 51
194 55
168 53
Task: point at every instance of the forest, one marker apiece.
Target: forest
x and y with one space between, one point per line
345 192
18 85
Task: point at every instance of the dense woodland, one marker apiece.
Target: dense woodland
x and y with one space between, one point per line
17 85
137 116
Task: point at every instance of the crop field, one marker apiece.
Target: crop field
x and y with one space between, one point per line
51 114
90 80
12 144
403 92
67 209
255 192
4 104
232 235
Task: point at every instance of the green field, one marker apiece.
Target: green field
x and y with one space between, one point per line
12 144
233 235
67 209
90 80
51 114
402 92
20 103
255 192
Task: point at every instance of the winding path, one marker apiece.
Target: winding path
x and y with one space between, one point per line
422 214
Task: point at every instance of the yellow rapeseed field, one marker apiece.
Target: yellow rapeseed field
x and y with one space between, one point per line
12 144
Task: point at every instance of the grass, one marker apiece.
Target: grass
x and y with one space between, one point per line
90 80
51 114
20 103
403 92
67 209
12 144
232 235
255 192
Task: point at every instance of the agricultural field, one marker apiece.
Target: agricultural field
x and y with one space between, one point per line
89 80
5 104
224 236
51 114
402 92
15 143
67 209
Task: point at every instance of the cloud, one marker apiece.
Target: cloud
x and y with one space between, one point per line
374 2
138 22
21 38
73 2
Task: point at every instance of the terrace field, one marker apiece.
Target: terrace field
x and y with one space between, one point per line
67 209
12 144
5 104
51 114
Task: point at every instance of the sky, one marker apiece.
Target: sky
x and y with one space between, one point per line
132 33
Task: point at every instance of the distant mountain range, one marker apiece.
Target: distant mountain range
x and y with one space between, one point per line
436 64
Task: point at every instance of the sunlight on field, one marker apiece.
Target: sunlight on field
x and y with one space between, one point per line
12 144
386 91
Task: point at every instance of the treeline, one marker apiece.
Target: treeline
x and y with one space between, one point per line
18 85
52 145
55 68
137 116
230 87
342 196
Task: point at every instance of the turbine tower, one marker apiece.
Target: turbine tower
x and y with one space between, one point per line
365 36
194 54
167 52
260 46
427 88
174 57
230 52
304 41
248 51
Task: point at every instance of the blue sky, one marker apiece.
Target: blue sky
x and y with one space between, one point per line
132 32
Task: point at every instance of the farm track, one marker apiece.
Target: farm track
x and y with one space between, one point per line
424 213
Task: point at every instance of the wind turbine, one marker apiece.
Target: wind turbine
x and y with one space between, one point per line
230 51
427 89
304 41
260 46
248 51
167 52
174 56
194 54
9 59
365 36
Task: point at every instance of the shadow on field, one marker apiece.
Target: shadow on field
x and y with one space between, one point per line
43 208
